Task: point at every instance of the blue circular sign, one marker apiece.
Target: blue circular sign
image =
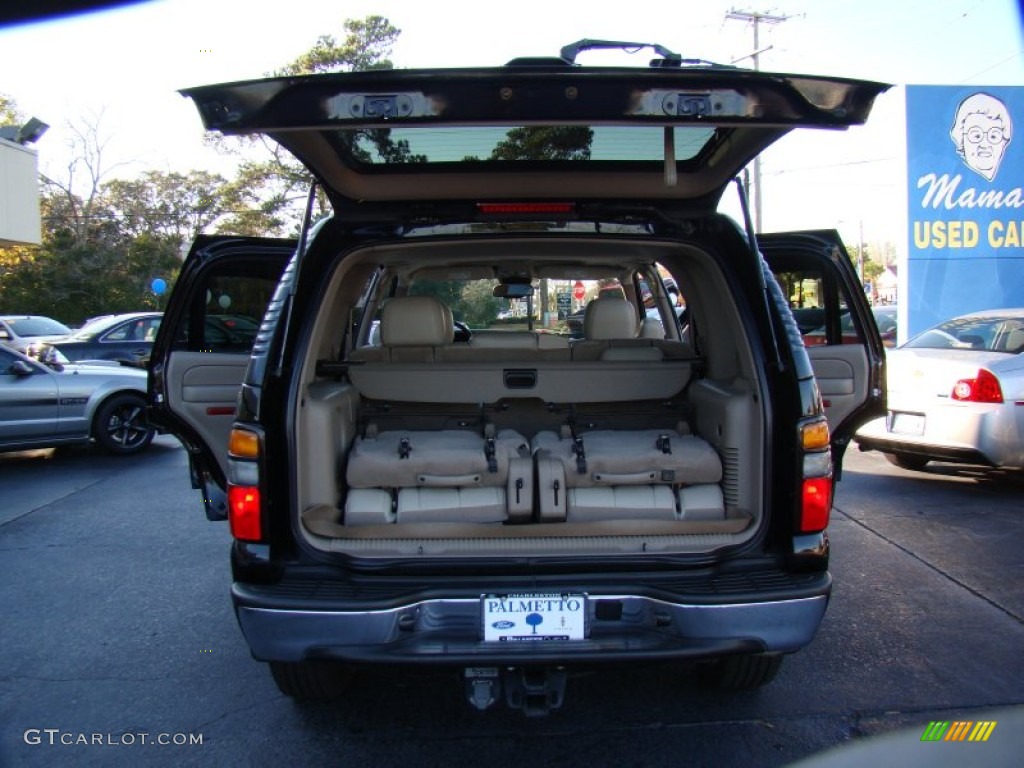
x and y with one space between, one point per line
158 286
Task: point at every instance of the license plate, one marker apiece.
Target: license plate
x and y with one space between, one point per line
907 423
529 618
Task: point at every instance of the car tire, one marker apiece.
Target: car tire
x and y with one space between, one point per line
311 680
121 426
907 461
740 673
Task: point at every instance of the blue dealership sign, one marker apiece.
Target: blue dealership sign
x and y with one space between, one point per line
965 189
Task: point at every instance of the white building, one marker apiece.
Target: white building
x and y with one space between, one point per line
19 195
886 287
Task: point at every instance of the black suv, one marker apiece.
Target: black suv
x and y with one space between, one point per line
410 478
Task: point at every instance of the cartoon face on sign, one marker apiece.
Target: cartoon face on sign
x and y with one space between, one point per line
981 131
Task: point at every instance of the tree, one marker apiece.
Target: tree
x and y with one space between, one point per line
872 269
9 114
479 305
367 44
448 292
271 185
562 142
172 205
74 197
105 241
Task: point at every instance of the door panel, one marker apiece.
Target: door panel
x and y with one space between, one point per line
203 346
202 389
835 321
842 374
28 402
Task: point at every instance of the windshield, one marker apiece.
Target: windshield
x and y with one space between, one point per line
96 326
473 302
36 326
548 305
992 333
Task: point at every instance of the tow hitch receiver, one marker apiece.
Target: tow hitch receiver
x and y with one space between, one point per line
534 690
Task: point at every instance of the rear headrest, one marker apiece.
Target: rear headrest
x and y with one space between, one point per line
652 328
415 321
609 317
1015 340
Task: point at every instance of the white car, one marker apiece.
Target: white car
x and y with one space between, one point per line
955 394
28 333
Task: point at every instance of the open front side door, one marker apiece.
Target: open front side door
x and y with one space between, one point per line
836 324
202 349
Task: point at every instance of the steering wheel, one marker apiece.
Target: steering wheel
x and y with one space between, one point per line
462 332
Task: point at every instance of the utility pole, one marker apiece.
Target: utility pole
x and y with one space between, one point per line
755 18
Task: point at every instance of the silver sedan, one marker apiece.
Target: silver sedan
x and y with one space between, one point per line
42 406
956 394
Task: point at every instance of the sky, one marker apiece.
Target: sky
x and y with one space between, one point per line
124 68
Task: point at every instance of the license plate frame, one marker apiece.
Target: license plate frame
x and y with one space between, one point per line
901 423
533 617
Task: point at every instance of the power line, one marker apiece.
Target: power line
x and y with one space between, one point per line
755 19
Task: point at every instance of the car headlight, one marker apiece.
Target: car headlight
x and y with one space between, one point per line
53 355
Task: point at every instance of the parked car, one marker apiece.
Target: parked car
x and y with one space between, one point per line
885 319
43 406
27 333
232 330
514 502
955 394
125 338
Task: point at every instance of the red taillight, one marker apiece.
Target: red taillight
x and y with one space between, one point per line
244 512
815 504
982 389
496 208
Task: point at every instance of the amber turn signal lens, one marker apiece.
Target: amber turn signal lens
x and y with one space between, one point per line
814 436
243 444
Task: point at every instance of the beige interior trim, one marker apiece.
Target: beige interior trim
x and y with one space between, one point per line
842 374
322 521
576 381
198 381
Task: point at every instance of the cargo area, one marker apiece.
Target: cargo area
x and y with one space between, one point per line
635 433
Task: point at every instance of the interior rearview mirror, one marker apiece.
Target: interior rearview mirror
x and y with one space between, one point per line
513 290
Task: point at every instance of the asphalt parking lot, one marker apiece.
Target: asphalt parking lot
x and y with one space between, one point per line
117 624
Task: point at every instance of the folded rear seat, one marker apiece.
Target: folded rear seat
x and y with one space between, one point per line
627 474
451 475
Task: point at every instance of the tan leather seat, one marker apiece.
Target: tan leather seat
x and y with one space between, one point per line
610 328
411 328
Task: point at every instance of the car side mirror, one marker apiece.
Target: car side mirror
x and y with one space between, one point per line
21 368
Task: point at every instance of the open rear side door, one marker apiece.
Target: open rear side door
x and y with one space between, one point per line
213 318
835 321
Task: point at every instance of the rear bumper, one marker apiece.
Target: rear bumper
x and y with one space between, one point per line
952 454
973 434
622 627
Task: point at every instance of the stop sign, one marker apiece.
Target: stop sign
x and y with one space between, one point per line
578 291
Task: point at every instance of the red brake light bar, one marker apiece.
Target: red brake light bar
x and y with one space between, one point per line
496 208
244 512
815 504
